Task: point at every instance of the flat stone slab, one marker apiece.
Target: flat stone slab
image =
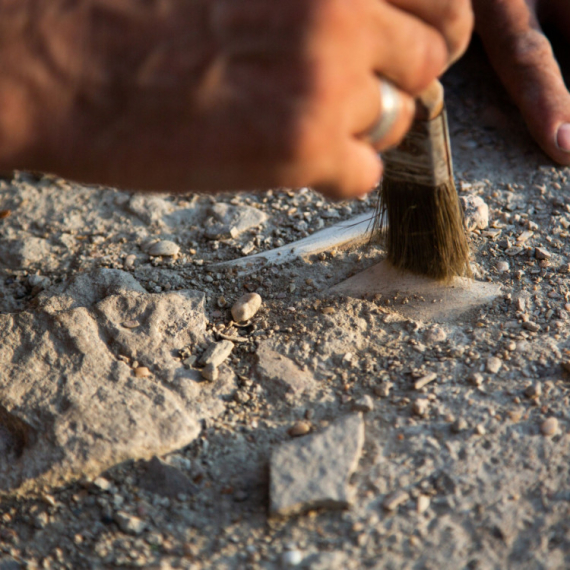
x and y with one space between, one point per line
314 471
281 375
418 297
70 403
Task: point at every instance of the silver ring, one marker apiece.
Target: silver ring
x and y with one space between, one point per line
391 106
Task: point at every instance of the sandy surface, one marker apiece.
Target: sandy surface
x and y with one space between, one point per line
483 487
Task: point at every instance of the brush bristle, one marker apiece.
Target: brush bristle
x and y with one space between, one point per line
424 232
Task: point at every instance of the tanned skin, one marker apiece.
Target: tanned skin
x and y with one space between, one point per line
214 94
523 58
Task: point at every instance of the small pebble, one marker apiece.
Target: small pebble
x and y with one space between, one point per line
142 372
364 404
459 425
299 428
425 380
541 253
435 335
210 372
423 504
476 379
383 390
502 266
164 248
494 364
291 558
246 307
530 326
132 324
130 261
129 523
533 391
549 427
480 429
394 500
217 353
420 407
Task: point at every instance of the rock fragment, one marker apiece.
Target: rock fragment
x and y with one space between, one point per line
502 266
281 374
422 504
459 425
164 248
129 523
494 364
291 558
210 372
142 372
246 307
420 407
299 428
476 379
549 427
476 212
424 380
230 221
314 471
364 404
533 391
394 500
541 253
217 353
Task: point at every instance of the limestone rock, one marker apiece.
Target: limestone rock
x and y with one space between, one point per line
314 471
476 212
129 523
71 407
217 353
165 248
281 375
231 221
246 307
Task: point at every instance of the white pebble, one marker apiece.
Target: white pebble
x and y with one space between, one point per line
549 427
165 247
494 364
291 558
393 501
502 266
423 504
216 353
246 307
210 373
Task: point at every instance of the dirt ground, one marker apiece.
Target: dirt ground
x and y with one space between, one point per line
485 482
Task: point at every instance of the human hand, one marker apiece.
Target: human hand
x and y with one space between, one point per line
522 56
222 94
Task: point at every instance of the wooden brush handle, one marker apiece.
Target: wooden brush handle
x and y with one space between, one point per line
429 104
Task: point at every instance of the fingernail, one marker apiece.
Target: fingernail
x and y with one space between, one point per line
563 137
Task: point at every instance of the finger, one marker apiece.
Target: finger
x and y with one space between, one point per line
524 61
452 18
407 51
357 172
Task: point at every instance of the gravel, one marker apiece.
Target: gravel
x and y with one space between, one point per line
470 470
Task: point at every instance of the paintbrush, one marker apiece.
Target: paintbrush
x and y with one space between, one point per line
419 215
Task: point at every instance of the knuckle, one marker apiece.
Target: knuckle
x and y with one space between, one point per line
530 47
429 59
